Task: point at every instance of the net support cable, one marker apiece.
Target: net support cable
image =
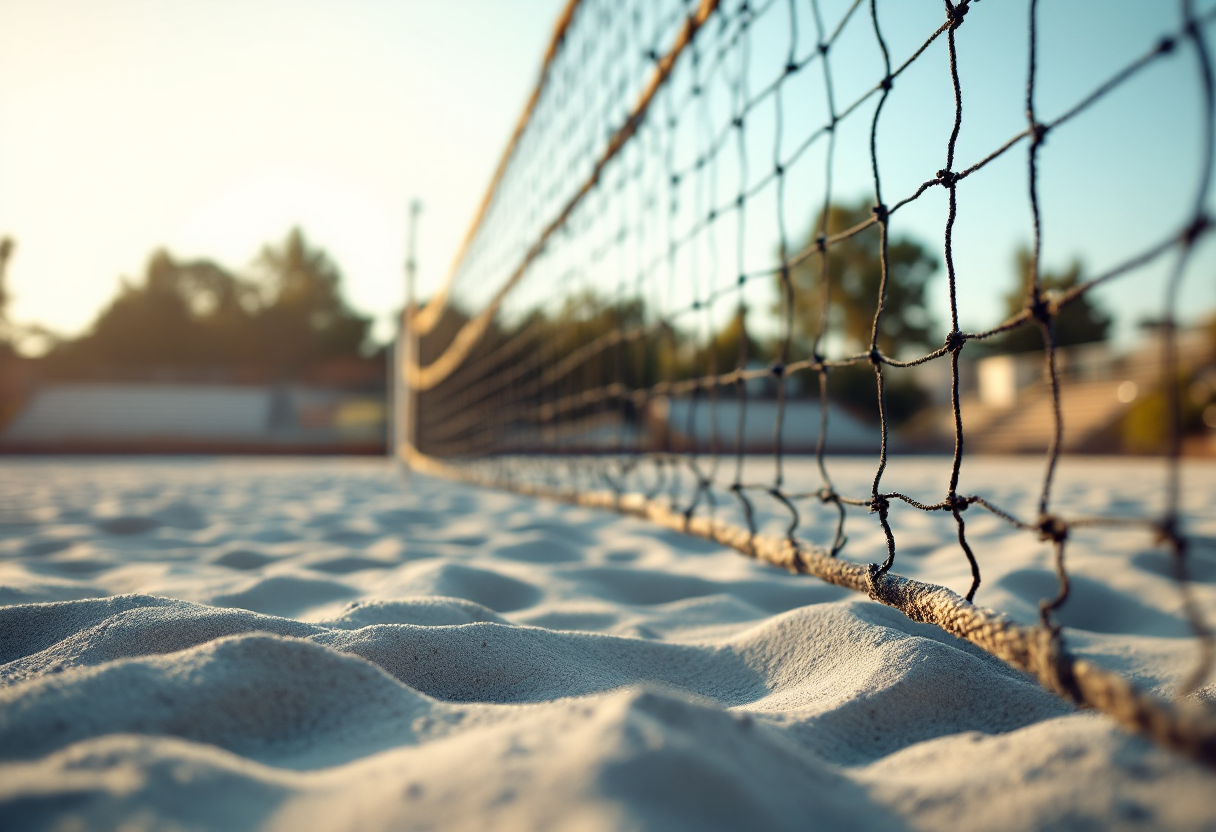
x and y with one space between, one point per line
1183 726
424 378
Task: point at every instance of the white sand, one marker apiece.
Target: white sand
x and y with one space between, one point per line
318 645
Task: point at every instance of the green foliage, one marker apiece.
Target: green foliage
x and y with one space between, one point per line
588 322
854 277
197 314
1146 424
6 328
184 313
1080 322
6 251
1143 427
588 343
306 318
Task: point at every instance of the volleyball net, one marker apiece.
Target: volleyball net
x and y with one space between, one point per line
689 265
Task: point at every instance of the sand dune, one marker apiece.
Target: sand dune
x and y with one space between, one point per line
318 644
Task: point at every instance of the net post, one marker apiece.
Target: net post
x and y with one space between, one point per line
404 424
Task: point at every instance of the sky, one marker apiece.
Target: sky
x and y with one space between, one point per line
211 128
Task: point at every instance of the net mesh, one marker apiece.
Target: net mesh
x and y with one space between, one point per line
595 339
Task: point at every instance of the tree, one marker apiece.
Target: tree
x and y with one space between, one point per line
195 313
304 317
586 320
6 335
183 313
854 277
1080 322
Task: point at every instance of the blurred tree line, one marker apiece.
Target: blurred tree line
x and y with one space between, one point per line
854 274
1080 322
12 381
6 327
286 315
659 350
908 327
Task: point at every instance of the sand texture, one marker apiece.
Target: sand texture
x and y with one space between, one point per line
322 645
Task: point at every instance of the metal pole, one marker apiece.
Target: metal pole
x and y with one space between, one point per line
411 264
405 423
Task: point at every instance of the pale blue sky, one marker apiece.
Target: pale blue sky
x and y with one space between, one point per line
210 128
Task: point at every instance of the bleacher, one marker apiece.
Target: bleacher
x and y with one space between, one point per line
159 418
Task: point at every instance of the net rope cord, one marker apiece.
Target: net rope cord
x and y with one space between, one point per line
646 161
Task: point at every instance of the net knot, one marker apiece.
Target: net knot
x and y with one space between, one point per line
1038 133
779 170
955 341
1166 45
1196 229
955 14
875 357
880 212
1053 528
947 178
957 503
821 244
879 505
791 68
887 83
1040 309
823 48
778 370
827 495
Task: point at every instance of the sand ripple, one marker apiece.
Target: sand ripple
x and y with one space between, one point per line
314 645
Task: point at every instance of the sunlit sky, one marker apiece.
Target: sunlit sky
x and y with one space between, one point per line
211 128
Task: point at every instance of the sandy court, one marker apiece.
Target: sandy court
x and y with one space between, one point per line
233 644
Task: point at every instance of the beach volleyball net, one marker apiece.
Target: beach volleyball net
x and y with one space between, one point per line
689 265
